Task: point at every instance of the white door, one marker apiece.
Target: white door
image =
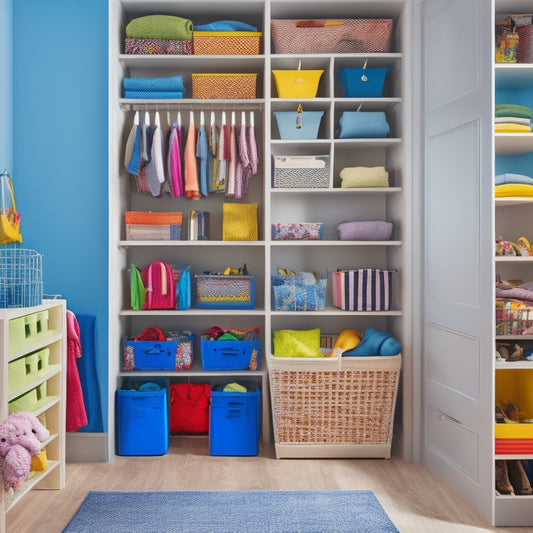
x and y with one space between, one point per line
458 273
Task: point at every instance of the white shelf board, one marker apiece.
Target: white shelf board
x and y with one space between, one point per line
202 244
513 259
334 243
189 312
513 143
512 200
339 190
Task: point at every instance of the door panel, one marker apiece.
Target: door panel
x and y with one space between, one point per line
458 242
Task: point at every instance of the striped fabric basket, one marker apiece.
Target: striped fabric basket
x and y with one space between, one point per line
218 291
364 289
148 226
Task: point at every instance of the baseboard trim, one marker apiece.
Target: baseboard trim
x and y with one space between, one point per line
86 448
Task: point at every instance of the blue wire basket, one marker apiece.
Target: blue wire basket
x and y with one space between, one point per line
21 279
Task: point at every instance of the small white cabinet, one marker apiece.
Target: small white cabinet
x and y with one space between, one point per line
33 378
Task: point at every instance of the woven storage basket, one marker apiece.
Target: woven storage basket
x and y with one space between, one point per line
220 85
524 52
157 46
225 292
226 42
339 36
309 172
333 407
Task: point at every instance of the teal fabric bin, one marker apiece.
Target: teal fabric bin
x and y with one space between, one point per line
142 422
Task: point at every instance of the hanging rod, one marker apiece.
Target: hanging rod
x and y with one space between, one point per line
185 105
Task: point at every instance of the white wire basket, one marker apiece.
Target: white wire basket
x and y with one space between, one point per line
21 279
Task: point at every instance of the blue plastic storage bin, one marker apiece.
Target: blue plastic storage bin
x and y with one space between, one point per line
159 355
294 125
363 82
234 423
231 355
142 422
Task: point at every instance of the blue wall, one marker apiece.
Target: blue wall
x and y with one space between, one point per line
60 149
6 85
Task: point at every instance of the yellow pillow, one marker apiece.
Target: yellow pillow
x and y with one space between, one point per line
239 222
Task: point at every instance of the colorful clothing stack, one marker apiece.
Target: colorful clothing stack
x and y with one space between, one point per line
154 88
159 34
509 185
512 118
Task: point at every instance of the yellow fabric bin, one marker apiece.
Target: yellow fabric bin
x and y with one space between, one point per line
297 83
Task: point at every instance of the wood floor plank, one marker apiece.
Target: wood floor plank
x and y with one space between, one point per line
415 501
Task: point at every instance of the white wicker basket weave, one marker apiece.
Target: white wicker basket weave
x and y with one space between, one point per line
333 407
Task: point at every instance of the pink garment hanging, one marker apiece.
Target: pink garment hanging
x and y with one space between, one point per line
252 149
233 163
174 162
246 169
76 415
191 170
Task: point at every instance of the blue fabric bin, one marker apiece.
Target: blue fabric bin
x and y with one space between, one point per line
363 125
234 423
142 422
288 122
231 355
363 82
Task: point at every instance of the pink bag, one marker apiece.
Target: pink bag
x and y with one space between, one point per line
320 36
159 286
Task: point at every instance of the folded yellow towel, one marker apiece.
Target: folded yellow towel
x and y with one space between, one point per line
509 127
352 177
513 189
39 462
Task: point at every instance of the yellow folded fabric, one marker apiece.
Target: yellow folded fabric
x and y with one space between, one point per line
239 222
513 189
355 177
509 127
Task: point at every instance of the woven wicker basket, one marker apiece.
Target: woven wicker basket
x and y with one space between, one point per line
221 86
226 42
333 407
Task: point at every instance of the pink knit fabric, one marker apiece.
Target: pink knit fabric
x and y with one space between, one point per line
76 416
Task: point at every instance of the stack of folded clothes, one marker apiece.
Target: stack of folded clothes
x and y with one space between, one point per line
506 185
159 34
154 88
512 118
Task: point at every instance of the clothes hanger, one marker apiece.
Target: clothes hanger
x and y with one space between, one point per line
157 119
179 119
223 118
252 118
191 118
232 118
243 118
212 119
146 118
136 118
202 118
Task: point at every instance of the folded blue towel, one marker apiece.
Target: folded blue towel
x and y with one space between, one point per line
155 95
174 83
225 25
374 343
503 179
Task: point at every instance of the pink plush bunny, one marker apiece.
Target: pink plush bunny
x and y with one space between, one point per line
21 437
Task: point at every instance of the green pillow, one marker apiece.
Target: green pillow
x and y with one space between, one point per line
295 343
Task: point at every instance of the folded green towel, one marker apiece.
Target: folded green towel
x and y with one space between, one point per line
297 343
160 27
512 110
235 387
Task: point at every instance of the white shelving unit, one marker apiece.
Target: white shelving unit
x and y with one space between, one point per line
331 206
26 331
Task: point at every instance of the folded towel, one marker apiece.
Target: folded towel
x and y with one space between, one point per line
160 27
353 177
514 189
514 120
296 343
174 83
154 95
225 25
503 179
508 127
512 110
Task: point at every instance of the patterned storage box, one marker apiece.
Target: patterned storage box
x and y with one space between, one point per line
307 231
157 46
159 355
225 292
227 42
301 291
364 289
514 321
148 226
325 36
309 172
224 86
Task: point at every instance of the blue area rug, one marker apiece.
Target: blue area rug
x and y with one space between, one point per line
331 511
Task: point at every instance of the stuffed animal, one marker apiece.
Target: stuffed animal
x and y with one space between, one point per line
21 438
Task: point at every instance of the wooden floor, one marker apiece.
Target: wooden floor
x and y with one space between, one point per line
414 500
